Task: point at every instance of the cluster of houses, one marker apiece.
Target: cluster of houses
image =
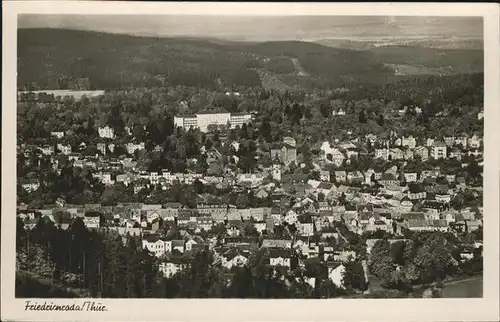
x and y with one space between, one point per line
306 212
309 227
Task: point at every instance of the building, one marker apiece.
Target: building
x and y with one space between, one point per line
132 147
102 148
284 153
106 132
410 142
396 154
340 176
57 134
336 273
474 142
30 185
204 120
422 152
92 220
64 148
439 150
276 172
382 154
324 175
186 121
410 176
170 267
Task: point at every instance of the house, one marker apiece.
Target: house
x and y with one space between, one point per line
92 220
382 154
106 132
443 198
409 142
410 176
234 258
456 154
252 179
291 217
172 266
47 149
57 134
64 148
450 177
154 245
472 225
30 185
474 142
388 179
324 175
132 147
344 256
340 176
355 176
422 152
279 257
205 223
285 153
336 273
439 150
189 244
262 194
396 154
305 226
102 148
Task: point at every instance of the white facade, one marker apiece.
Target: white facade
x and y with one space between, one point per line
439 151
65 149
382 154
132 147
204 120
279 261
106 132
410 142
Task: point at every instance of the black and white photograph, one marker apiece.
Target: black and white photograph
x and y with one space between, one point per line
207 156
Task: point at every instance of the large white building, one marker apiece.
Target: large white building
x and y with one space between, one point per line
204 120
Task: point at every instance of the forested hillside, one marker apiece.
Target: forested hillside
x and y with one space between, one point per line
118 61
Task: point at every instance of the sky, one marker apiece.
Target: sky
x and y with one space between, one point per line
261 28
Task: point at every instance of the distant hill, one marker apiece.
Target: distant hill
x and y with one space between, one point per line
456 61
117 61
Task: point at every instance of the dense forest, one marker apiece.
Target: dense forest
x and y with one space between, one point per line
122 61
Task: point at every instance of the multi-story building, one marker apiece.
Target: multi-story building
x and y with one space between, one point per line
204 120
186 121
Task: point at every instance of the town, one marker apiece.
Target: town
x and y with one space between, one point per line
333 197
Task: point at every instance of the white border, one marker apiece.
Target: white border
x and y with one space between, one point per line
485 309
